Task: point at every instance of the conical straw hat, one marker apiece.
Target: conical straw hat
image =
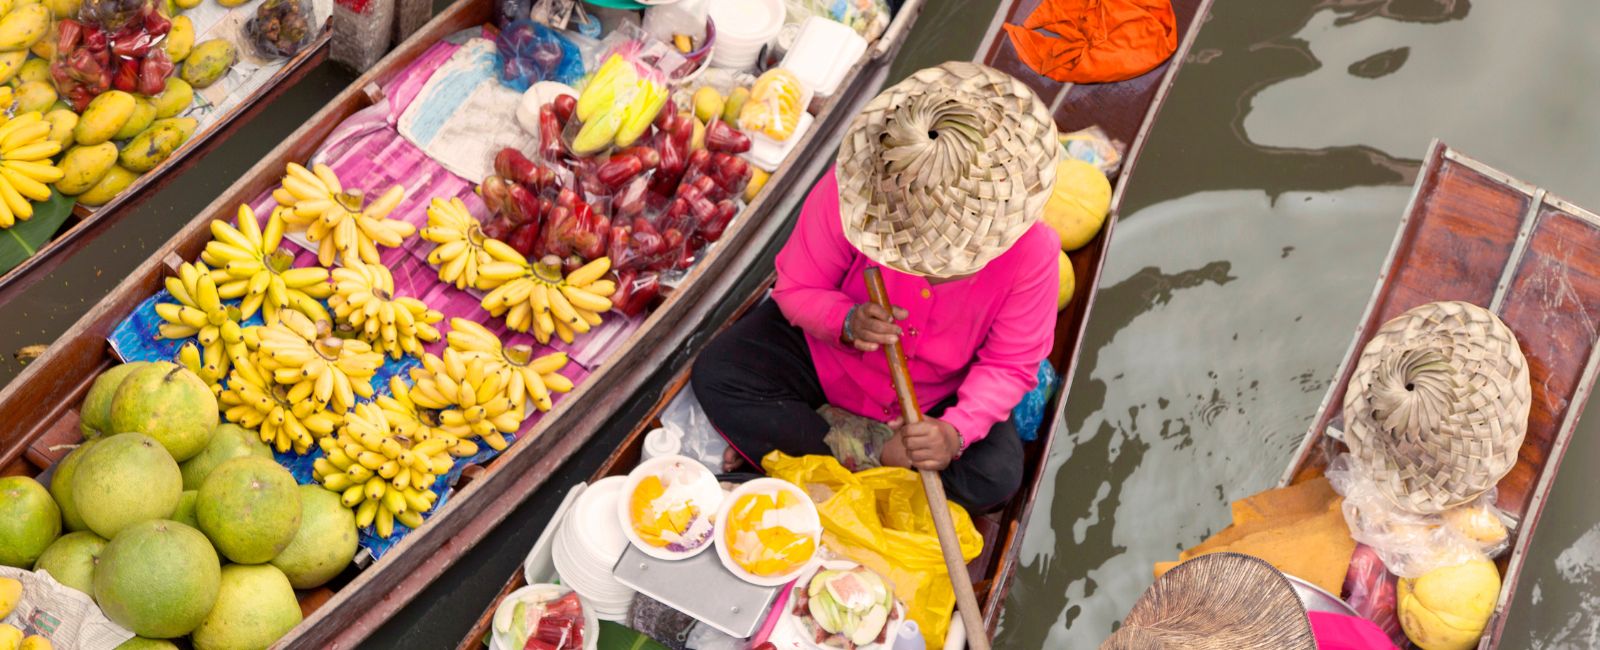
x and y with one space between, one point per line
944 171
1438 405
1218 601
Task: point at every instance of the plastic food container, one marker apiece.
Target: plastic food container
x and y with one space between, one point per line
813 527
743 28
768 154
823 53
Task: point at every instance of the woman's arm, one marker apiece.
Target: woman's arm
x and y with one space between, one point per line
813 264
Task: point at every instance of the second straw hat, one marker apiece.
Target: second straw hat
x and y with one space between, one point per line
943 172
1218 601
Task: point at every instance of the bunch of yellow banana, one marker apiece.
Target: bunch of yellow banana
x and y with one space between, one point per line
248 263
384 476
462 246
255 402
416 423
364 298
313 364
536 296
200 313
533 379
25 168
338 219
472 396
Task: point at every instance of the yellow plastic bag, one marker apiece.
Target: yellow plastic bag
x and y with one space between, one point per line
880 518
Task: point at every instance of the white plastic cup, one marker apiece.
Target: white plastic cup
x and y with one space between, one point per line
664 441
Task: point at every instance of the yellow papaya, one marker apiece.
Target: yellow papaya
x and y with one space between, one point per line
105 116
84 166
115 181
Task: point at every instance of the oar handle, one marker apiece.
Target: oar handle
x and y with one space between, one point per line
949 544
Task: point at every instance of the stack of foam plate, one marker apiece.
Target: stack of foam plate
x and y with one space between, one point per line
588 545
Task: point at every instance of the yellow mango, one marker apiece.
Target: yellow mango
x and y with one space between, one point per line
10 637
115 181
186 125
151 148
187 4
35 70
23 27
144 113
63 8
11 63
174 100
208 62
6 6
84 166
105 116
180 40
35 96
61 121
36 642
10 593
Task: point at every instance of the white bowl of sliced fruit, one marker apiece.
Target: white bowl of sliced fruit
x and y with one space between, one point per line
553 614
842 605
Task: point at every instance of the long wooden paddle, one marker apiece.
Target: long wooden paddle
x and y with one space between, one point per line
966 600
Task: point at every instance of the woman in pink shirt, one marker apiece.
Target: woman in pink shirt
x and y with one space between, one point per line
804 373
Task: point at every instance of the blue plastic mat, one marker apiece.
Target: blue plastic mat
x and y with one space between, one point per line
1029 413
137 338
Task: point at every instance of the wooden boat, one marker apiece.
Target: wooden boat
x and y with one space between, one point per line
1126 111
40 405
85 223
1473 233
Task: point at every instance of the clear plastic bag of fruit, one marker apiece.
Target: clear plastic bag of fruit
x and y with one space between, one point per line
110 14
528 52
281 28
621 99
867 17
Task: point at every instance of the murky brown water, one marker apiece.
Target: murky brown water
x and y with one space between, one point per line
1251 239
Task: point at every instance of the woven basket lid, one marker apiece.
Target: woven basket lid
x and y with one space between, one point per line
1438 405
944 171
1218 601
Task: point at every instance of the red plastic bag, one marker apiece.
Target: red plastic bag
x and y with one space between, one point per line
1369 588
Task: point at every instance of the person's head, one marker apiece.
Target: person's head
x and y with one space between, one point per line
945 171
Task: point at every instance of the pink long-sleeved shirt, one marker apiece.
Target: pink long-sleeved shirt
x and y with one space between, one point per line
980 338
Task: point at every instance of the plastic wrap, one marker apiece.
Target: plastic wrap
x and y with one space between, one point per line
1093 146
527 52
1369 589
110 14
700 440
868 17
1411 544
281 28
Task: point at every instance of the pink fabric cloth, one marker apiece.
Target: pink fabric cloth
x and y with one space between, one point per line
980 338
1339 632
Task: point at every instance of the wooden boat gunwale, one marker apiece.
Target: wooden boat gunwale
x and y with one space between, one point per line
1324 434
85 224
44 398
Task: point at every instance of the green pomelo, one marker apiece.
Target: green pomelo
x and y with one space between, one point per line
326 542
158 578
29 521
141 643
250 508
169 403
72 558
228 441
61 485
185 512
255 608
94 417
123 480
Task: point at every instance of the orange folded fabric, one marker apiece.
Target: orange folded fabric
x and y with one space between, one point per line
1096 40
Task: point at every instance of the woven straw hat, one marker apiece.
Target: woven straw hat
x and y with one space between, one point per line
944 171
1438 405
1219 601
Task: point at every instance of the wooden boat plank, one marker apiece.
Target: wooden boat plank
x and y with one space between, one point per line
1473 233
1141 97
84 225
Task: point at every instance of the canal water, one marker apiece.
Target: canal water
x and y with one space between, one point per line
1251 237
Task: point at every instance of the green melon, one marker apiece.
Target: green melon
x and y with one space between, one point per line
141 643
326 542
228 441
169 403
158 578
61 485
123 480
185 512
255 608
94 417
71 560
29 521
250 508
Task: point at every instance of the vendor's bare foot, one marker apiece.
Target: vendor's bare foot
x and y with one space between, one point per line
731 460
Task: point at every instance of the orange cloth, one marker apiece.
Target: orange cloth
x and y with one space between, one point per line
1096 40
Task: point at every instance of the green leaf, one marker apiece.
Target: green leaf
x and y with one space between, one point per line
20 241
618 637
